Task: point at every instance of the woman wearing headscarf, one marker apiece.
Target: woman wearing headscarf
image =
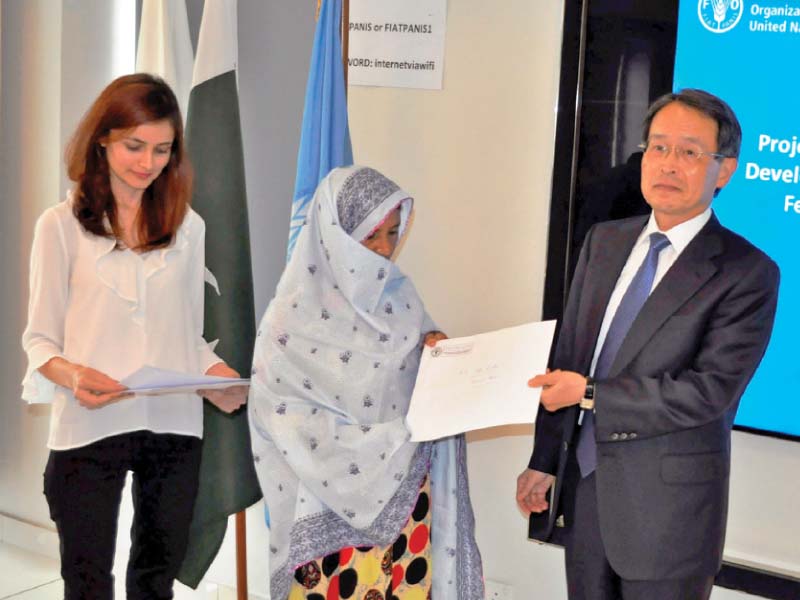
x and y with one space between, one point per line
356 510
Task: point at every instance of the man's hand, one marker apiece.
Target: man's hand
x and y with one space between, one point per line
434 336
560 388
532 488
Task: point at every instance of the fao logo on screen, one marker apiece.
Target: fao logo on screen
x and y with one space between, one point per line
719 16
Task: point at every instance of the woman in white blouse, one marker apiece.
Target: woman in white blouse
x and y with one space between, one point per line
116 282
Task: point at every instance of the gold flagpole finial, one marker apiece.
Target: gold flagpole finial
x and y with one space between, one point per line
319 7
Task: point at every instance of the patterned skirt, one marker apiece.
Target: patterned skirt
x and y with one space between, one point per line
401 571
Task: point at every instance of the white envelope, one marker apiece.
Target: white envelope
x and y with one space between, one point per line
479 381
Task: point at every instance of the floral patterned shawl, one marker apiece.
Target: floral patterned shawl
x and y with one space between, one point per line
334 367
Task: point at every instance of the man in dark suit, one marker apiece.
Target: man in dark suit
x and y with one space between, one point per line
667 319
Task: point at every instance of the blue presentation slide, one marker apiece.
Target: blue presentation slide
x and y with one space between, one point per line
747 53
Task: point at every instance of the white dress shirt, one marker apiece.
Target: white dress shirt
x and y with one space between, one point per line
114 310
679 237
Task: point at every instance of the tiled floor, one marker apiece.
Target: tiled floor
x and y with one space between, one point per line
29 565
26 575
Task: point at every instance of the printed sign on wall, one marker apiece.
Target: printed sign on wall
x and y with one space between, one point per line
397 43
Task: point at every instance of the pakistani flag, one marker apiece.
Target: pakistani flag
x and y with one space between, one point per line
228 481
324 137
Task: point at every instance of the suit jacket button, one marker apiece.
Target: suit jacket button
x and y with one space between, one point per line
623 436
614 437
566 446
632 435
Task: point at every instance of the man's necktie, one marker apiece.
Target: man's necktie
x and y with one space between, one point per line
630 305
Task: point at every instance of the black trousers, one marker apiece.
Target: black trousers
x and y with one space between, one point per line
84 486
589 574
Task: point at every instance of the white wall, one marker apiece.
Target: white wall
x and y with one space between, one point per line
763 522
30 139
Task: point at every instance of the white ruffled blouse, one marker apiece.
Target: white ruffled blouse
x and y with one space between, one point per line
115 311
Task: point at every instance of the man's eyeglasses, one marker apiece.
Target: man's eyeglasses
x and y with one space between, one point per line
689 155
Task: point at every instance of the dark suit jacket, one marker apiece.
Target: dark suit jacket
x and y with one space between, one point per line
664 414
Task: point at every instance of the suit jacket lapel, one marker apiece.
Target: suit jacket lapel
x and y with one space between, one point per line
693 268
607 265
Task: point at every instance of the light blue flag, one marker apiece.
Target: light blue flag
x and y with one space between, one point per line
325 137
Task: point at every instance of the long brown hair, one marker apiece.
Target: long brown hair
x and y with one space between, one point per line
126 103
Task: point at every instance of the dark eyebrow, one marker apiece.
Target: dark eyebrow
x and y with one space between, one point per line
686 138
135 139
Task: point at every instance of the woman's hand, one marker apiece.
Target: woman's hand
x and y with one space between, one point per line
90 387
221 369
230 399
434 336
94 389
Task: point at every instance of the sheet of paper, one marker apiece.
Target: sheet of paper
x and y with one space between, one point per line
150 381
479 381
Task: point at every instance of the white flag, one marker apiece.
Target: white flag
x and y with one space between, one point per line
165 48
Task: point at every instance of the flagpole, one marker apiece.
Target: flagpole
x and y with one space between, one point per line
345 39
241 556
